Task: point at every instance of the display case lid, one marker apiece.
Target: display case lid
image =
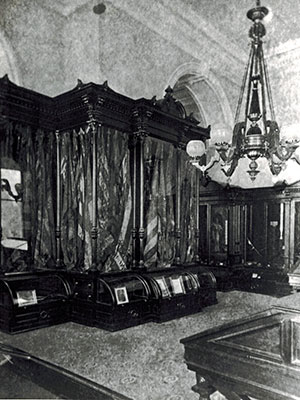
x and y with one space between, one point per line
204 276
122 289
172 282
24 289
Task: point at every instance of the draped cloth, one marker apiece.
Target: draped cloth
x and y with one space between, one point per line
160 184
35 153
113 202
161 203
188 210
20 144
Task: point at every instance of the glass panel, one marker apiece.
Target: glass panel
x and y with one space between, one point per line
297 233
296 341
219 233
173 285
14 247
275 235
206 279
203 247
103 294
127 289
35 289
265 339
255 233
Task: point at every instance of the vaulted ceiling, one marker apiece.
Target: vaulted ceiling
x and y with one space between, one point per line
228 18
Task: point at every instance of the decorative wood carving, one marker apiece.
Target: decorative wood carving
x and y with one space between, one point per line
70 110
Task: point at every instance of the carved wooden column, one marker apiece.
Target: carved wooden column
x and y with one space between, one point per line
140 120
93 104
58 260
177 260
197 216
1 250
94 231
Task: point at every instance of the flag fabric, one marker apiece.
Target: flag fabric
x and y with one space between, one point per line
152 170
188 210
166 209
44 251
114 200
86 196
27 160
187 220
69 166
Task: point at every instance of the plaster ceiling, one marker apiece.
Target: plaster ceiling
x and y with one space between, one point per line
229 17
65 7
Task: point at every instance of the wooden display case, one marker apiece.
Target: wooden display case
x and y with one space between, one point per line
249 237
207 283
110 301
106 168
33 300
175 292
254 357
122 300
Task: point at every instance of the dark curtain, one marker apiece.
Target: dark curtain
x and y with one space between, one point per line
160 184
22 144
113 199
35 153
160 204
188 209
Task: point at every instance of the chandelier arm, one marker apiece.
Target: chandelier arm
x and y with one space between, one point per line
266 73
249 81
263 93
239 105
232 168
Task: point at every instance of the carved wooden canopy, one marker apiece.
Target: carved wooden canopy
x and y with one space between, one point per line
163 119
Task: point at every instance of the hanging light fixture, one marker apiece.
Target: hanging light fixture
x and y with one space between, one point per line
256 132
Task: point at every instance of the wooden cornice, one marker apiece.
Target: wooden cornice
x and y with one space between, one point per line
25 106
166 118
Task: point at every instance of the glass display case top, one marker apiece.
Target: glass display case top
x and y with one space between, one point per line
122 289
29 289
174 284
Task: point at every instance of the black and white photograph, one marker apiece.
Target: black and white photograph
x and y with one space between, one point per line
150 199
121 295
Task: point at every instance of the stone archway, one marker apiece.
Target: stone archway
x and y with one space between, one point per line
200 91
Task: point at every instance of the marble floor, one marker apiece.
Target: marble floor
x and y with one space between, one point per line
144 362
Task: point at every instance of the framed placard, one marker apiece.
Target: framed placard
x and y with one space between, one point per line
121 295
163 287
26 297
177 285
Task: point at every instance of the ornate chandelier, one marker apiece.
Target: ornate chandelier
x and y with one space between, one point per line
256 132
